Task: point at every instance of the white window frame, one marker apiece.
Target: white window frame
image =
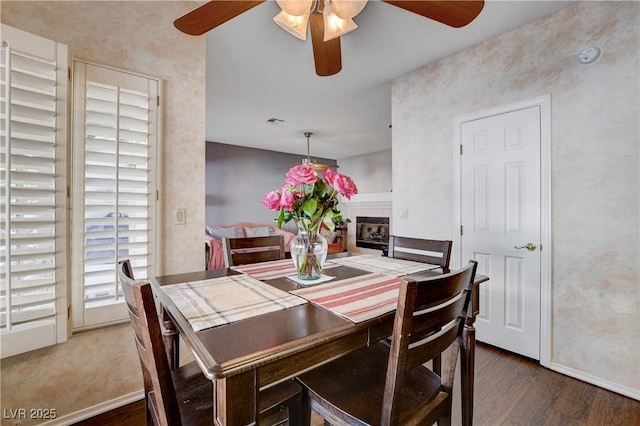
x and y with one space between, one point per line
86 315
16 336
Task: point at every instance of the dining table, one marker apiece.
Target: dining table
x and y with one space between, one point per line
252 326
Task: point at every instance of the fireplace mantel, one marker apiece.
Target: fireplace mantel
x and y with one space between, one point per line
371 199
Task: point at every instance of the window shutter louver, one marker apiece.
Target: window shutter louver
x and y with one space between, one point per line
115 187
32 192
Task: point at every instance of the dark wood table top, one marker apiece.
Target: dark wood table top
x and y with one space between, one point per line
260 339
232 348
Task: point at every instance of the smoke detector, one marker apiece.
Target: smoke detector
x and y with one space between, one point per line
589 55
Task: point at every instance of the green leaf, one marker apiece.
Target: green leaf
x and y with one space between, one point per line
310 207
328 221
309 188
280 218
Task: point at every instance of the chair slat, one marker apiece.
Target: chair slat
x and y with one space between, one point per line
424 324
240 251
435 252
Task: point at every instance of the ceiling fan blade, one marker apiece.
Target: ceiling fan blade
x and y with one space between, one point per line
212 14
453 13
326 54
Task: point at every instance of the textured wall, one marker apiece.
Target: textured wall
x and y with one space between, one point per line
139 36
595 162
371 172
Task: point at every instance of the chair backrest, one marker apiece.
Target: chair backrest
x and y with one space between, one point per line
158 384
435 252
240 251
429 319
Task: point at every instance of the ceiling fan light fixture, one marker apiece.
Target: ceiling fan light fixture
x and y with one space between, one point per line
334 26
294 25
346 9
295 7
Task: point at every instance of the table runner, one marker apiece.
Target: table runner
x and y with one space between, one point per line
357 299
383 265
272 269
219 301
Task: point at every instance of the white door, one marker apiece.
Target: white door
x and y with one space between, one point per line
501 225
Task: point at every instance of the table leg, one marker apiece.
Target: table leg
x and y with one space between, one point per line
171 339
467 366
235 400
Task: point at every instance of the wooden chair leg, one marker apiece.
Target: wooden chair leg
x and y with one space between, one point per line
305 408
296 412
444 421
148 413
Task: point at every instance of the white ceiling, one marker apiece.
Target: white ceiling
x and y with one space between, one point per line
257 71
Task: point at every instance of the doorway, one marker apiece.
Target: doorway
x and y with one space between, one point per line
502 218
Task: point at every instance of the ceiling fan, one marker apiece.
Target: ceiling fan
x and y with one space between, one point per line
328 19
312 162
321 167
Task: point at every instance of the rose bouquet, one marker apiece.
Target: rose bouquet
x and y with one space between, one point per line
310 199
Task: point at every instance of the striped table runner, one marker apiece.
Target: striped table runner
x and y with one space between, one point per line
272 269
223 300
357 299
383 265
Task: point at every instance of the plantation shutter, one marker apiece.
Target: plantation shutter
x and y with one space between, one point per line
33 273
115 154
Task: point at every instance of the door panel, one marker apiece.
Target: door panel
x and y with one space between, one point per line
500 205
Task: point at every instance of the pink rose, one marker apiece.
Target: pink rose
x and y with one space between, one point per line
301 174
342 183
287 199
271 200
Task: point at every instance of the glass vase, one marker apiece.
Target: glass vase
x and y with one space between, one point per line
308 251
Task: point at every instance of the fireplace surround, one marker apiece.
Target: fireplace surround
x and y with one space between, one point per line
372 232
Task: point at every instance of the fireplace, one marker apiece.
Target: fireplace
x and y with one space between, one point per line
372 232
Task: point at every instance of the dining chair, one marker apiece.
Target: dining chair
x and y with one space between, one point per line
240 251
387 384
184 396
435 252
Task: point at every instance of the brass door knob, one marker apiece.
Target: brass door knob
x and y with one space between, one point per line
529 246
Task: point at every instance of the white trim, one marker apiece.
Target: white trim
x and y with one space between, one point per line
373 200
96 410
369 197
605 384
544 103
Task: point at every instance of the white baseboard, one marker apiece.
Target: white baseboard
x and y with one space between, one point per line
87 413
605 384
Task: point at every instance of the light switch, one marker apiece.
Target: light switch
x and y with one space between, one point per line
181 216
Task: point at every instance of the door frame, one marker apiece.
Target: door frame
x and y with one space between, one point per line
544 104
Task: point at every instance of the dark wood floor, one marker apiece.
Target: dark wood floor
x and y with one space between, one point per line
512 390
509 390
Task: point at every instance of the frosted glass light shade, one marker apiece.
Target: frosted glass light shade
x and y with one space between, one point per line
346 9
334 26
294 25
295 7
